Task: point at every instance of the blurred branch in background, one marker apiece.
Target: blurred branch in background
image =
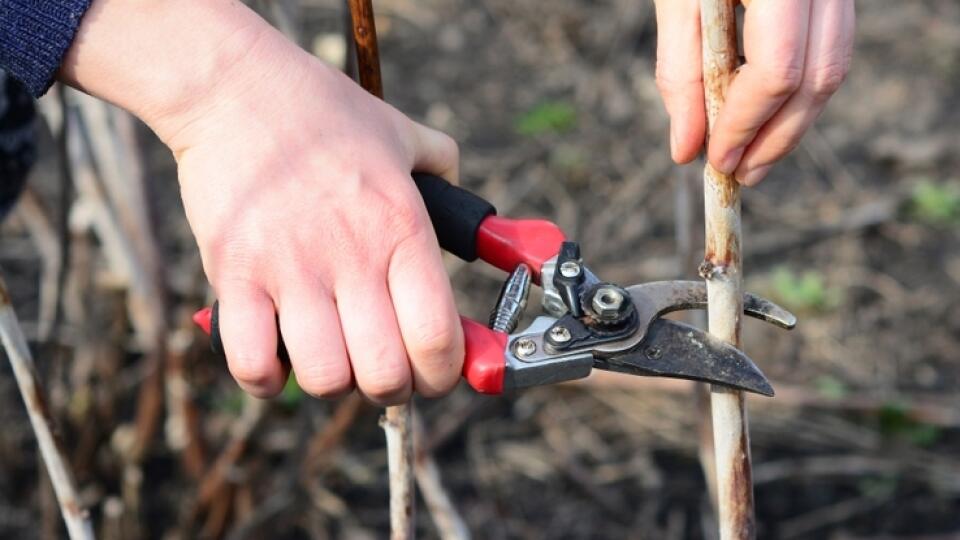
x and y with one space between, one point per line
74 514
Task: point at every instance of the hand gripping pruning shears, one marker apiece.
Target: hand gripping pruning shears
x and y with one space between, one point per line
587 323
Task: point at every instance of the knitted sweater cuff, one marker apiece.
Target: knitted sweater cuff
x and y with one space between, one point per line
34 36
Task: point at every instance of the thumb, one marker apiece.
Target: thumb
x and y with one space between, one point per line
680 75
436 153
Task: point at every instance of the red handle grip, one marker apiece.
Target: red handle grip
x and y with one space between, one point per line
505 243
484 364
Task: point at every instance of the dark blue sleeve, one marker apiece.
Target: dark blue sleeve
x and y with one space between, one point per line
34 36
18 149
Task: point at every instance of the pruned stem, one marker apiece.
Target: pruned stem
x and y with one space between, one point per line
76 518
723 272
397 424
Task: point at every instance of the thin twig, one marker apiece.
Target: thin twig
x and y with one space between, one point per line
46 238
76 518
321 448
723 272
450 524
396 422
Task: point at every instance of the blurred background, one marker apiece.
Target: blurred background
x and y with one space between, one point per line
555 107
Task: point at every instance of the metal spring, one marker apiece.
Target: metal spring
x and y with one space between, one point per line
512 300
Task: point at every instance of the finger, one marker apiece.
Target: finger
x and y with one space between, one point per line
436 153
248 329
827 62
427 316
680 75
380 365
775 41
311 332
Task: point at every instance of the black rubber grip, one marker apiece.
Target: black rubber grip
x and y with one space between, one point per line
455 212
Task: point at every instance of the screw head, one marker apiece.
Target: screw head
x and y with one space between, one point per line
570 269
560 334
525 347
607 303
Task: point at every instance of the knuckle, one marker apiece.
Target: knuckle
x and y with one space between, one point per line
828 79
324 380
672 83
437 359
782 80
436 343
254 374
388 383
449 147
665 84
408 223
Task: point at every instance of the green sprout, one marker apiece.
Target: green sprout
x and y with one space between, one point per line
547 117
896 423
831 388
804 292
292 395
936 204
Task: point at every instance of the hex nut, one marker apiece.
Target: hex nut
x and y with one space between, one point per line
607 303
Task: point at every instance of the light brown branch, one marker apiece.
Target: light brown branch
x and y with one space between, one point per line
723 272
397 426
15 344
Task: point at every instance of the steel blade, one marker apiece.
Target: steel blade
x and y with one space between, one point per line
667 296
677 350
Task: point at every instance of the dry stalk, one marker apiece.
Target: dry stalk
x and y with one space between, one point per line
397 422
722 269
397 426
449 522
76 518
46 238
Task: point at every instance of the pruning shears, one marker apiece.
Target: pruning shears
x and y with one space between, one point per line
587 323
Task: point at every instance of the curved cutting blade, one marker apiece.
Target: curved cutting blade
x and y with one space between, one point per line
677 350
667 296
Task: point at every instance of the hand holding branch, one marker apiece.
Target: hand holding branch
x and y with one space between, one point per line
797 55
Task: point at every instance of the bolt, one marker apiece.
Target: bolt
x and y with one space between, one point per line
570 269
607 302
654 353
525 347
560 334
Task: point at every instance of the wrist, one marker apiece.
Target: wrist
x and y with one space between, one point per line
170 63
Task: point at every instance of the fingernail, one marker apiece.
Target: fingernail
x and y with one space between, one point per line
752 177
730 161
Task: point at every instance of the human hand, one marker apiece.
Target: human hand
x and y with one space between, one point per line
797 54
297 186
